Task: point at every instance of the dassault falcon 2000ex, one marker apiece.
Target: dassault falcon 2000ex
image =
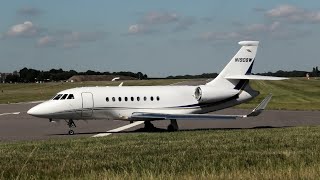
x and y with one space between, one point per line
150 103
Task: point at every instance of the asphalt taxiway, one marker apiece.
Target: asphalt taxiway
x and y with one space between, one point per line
16 124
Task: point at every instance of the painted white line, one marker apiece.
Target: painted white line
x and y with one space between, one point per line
119 129
13 113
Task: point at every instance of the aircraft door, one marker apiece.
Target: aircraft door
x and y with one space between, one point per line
87 104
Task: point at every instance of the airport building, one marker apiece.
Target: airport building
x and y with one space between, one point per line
3 76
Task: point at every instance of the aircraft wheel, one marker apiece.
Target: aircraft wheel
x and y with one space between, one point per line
71 132
148 125
171 128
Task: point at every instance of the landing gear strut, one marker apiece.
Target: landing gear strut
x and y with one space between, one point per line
173 126
71 124
148 125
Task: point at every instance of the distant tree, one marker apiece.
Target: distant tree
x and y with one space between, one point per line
145 76
204 75
12 78
139 75
23 73
32 75
89 72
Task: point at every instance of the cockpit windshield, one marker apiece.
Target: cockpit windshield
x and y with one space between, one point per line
57 97
70 96
63 96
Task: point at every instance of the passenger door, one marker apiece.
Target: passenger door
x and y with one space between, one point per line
87 104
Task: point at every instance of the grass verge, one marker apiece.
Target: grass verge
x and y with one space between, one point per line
280 153
293 94
13 93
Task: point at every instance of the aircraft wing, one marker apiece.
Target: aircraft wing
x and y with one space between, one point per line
143 116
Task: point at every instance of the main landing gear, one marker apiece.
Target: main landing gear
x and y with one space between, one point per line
148 126
173 126
71 124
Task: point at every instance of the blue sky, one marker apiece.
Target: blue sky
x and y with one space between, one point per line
160 38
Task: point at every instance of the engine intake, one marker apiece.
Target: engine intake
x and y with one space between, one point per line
212 94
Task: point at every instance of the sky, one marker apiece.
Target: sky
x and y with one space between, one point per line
159 38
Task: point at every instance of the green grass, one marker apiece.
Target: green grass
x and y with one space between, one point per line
293 94
284 153
13 93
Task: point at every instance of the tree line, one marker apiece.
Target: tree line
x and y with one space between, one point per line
26 75
314 73
204 75
31 75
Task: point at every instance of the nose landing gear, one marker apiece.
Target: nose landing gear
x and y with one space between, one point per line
71 124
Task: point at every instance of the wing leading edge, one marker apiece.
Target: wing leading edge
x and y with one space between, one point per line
143 116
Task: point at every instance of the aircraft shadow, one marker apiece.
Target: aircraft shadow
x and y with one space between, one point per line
157 130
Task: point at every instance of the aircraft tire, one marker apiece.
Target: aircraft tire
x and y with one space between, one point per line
171 128
71 132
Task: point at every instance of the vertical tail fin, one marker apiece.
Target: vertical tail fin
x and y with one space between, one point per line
240 64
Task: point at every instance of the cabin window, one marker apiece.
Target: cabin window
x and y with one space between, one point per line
132 99
107 99
138 98
70 96
144 98
64 97
126 98
57 97
119 99
113 99
151 98
158 98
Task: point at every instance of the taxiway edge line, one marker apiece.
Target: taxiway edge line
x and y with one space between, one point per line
119 129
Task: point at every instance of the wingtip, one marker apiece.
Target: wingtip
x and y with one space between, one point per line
261 107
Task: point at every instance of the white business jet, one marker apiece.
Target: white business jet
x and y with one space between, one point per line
150 103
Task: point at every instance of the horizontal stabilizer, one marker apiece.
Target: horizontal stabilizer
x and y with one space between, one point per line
255 77
146 116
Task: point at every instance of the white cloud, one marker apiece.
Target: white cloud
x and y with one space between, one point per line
246 32
46 41
256 27
25 29
76 36
185 23
134 29
284 11
156 21
294 14
274 26
159 18
208 36
69 39
138 29
263 27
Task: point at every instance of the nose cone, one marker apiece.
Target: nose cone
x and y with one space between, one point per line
40 110
36 111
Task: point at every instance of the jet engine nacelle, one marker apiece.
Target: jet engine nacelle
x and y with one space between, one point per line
212 94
